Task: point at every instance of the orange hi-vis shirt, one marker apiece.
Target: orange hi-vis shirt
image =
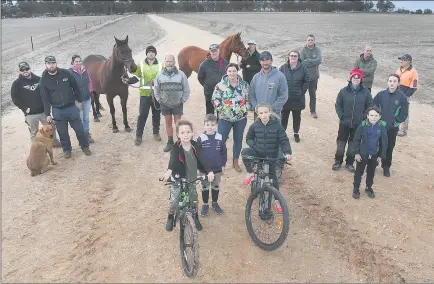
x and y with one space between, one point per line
408 77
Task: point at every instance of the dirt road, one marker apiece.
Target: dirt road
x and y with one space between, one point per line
101 218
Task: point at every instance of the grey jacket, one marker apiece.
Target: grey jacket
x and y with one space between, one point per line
368 67
271 89
171 89
311 58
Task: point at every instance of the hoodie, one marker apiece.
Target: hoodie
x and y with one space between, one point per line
368 67
210 73
26 94
271 89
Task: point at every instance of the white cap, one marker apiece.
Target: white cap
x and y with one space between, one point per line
252 41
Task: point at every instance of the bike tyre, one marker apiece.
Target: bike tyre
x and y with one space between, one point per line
187 223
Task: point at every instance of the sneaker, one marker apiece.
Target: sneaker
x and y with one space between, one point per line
89 137
277 207
56 143
386 172
350 168
356 193
370 192
336 166
297 138
204 211
168 146
67 154
248 179
314 115
217 208
138 141
87 151
157 137
169 224
197 222
402 133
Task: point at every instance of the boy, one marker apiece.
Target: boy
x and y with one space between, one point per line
185 160
370 145
215 154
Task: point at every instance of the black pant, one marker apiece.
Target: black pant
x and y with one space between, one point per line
391 139
146 103
313 86
296 119
209 107
247 163
345 134
370 171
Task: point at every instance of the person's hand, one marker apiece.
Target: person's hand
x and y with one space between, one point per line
210 176
49 119
223 170
27 110
80 106
358 158
166 176
124 80
288 157
379 160
247 66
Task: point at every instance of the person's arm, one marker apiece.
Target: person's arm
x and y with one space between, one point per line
339 105
224 153
185 88
384 143
402 112
75 87
250 137
201 74
282 94
16 98
46 101
256 67
368 103
172 160
376 101
356 141
305 82
216 98
413 87
156 89
242 64
356 64
369 72
318 60
252 94
285 145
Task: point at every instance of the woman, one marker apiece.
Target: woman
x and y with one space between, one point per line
83 79
298 81
230 99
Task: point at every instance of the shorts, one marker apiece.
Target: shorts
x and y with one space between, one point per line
178 110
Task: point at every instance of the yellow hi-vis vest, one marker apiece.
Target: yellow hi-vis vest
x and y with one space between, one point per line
147 73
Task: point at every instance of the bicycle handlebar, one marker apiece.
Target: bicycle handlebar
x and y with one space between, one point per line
266 159
177 179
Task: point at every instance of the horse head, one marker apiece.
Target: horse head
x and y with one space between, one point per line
123 55
238 47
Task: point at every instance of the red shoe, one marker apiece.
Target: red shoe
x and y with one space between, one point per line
248 179
277 207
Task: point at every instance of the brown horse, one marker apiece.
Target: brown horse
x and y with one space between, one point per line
190 57
106 77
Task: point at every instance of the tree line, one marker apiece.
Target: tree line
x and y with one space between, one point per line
34 8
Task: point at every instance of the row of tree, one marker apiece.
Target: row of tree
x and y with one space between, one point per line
33 8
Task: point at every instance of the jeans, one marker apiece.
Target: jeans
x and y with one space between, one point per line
71 115
296 119
33 120
224 128
146 103
84 115
391 140
345 134
370 172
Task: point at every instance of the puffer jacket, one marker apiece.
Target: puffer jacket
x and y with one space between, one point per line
298 82
266 139
210 73
368 67
231 103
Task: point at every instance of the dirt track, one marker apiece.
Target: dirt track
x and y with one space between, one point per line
101 218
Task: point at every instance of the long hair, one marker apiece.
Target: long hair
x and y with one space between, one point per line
273 114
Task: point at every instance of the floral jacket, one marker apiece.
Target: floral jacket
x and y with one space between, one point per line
231 103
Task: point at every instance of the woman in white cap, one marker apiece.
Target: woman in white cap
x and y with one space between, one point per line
251 65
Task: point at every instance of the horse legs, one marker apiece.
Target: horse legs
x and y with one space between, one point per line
95 109
124 100
112 112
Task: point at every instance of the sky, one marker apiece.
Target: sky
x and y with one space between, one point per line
412 5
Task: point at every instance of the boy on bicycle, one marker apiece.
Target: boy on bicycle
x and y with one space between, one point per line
185 160
264 137
215 154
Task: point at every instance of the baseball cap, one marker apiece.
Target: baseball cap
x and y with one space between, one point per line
23 65
50 58
265 54
213 46
406 57
252 41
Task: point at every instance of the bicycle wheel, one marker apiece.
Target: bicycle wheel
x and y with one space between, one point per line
189 245
260 208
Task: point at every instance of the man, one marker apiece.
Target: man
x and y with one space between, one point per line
60 90
147 70
311 57
268 85
171 90
25 93
211 71
251 65
394 108
408 85
368 65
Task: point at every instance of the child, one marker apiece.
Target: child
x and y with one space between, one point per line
215 154
370 141
264 137
185 160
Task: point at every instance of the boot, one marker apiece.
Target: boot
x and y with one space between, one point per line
356 192
236 166
138 141
87 151
169 224
370 192
89 137
197 222
336 166
297 138
169 145
157 137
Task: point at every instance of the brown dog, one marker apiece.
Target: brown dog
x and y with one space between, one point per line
38 161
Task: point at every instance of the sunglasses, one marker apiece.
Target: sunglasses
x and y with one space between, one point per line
24 69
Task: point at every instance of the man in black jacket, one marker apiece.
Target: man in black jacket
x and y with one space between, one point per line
26 96
60 90
394 107
251 65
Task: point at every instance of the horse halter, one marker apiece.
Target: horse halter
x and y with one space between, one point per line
239 50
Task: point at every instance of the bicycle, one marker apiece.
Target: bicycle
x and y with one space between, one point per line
188 237
262 188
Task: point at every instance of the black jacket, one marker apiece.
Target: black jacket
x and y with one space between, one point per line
298 82
393 106
255 66
26 94
266 139
59 90
360 142
210 74
351 105
177 159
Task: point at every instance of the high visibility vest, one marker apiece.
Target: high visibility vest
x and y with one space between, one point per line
145 83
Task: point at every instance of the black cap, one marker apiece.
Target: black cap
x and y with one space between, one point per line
50 58
265 54
406 57
151 48
23 65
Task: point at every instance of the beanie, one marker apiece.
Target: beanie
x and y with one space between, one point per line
151 48
356 72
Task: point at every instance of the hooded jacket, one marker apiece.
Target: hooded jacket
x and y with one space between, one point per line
26 94
255 66
210 73
83 81
271 89
368 67
298 82
370 139
311 58
393 106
